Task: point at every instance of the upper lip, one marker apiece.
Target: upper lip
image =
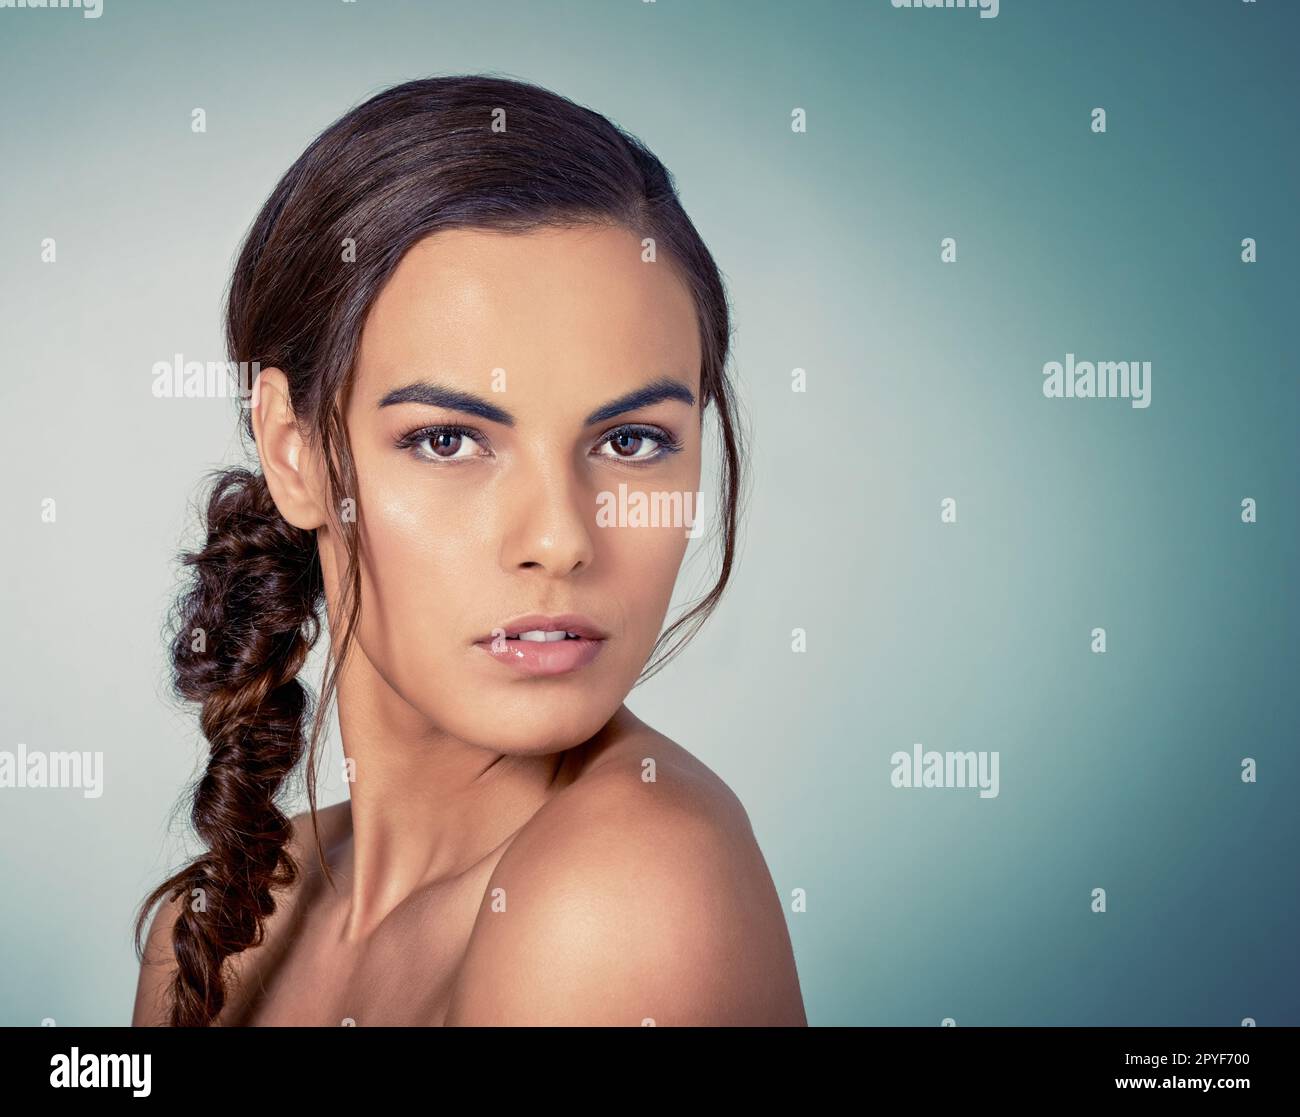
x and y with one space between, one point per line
539 622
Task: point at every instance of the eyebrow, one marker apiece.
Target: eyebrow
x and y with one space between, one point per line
438 395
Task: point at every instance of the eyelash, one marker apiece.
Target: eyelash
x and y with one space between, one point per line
667 444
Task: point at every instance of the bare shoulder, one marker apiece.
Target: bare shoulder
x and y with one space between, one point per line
637 894
158 958
157 968
333 823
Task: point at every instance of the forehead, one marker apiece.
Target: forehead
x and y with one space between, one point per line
551 306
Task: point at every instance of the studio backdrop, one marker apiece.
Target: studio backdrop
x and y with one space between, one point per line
1006 677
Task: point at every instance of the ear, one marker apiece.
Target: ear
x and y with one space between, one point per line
291 470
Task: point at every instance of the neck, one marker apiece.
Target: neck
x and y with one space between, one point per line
426 807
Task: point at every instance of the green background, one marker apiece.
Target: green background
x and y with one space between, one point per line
1119 771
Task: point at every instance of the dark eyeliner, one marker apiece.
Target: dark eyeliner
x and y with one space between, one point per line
410 440
668 444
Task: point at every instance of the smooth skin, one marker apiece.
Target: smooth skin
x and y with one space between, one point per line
502 859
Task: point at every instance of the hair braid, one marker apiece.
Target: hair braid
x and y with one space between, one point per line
243 630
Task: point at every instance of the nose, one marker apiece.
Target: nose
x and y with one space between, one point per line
549 522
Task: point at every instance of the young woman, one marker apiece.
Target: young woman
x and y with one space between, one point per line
482 319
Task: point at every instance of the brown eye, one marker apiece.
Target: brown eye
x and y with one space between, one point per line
443 444
637 444
446 444
626 444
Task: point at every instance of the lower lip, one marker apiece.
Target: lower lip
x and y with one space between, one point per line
534 657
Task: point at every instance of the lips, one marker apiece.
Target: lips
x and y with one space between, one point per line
537 628
545 645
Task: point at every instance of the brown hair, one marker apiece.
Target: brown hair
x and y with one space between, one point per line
416 159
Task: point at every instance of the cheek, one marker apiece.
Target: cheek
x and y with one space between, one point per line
642 564
425 545
647 559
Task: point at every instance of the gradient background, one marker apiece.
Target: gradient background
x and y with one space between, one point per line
1119 771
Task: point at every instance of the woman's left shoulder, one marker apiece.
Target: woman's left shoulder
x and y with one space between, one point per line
638 893
648 776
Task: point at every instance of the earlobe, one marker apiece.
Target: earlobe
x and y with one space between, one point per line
287 463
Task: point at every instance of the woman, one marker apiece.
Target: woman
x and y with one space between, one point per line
479 312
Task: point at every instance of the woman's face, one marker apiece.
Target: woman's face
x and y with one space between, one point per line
494 420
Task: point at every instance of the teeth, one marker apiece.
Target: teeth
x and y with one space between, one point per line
538 637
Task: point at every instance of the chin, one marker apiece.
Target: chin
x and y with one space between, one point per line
531 716
538 737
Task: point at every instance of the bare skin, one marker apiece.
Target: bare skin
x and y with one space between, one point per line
633 905
516 849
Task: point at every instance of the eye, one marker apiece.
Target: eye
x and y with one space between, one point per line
638 444
443 444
